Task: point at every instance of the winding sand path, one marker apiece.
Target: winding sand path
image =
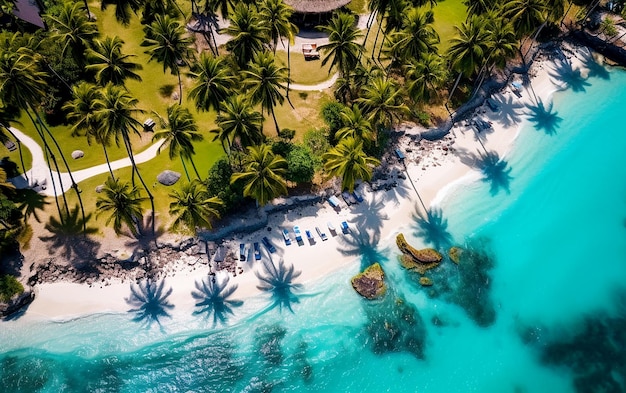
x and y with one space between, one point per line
39 175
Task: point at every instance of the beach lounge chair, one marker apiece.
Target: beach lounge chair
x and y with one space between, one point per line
344 227
220 254
334 202
242 252
357 196
517 89
309 236
331 228
270 247
286 237
296 230
399 154
257 251
321 234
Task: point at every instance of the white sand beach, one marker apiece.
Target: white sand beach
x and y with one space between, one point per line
435 171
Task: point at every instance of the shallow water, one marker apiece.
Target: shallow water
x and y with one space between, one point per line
540 307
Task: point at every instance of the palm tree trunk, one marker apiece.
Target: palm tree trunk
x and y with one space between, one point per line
456 84
50 155
184 167
180 88
131 157
106 157
69 171
369 24
54 189
193 165
19 148
275 121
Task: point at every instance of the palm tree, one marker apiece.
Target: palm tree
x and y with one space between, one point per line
355 125
264 80
417 36
479 7
116 113
238 121
109 64
382 100
263 176
248 33
123 8
348 161
526 15
7 116
122 201
425 77
179 132
74 29
81 111
168 45
192 208
342 49
213 82
22 85
468 50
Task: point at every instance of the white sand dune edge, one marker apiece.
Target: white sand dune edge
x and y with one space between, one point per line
66 300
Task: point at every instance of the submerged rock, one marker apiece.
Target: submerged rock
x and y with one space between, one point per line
455 253
371 282
418 260
426 282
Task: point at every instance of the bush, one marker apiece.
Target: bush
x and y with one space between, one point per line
287 133
301 167
317 142
9 287
331 113
281 147
218 184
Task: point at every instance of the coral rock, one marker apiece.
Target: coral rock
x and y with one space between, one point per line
419 260
455 254
426 282
371 282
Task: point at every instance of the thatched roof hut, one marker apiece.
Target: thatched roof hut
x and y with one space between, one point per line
316 6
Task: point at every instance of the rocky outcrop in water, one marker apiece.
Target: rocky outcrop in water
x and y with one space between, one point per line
418 260
371 282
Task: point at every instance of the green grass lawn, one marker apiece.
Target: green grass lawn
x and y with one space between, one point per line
306 72
448 13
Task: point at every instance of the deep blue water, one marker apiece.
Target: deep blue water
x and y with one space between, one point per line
538 304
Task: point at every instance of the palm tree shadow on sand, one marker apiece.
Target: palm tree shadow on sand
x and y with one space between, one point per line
278 281
144 240
213 296
510 110
67 236
571 77
544 118
496 172
363 244
432 227
149 302
373 215
595 69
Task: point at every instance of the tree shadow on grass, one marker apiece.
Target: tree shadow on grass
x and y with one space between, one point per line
432 227
496 172
571 77
30 202
149 302
278 281
544 118
213 296
363 244
68 237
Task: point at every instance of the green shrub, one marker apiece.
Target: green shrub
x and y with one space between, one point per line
218 184
331 113
317 141
9 287
301 167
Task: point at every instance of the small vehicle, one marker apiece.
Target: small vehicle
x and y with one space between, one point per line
242 252
344 227
270 247
296 230
286 237
321 234
257 251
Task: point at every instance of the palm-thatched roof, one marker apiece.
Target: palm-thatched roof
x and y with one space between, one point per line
316 6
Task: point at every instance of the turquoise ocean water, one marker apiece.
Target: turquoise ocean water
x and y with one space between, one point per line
538 303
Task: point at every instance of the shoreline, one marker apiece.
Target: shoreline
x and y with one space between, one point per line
447 165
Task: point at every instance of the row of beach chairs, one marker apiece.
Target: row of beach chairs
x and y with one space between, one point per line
351 198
